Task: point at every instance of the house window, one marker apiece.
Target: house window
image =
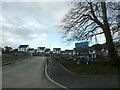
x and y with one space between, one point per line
91 51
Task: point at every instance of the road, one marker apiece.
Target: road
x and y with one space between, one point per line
70 80
28 73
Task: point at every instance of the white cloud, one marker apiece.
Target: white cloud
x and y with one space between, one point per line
30 22
2 19
40 37
35 0
43 37
9 39
59 15
20 29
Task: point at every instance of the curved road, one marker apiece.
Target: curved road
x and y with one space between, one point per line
71 80
28 73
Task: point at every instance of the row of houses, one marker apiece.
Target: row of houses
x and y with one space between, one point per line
81 50
26 48
0 51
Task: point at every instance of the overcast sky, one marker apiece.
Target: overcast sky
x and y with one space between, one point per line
33 23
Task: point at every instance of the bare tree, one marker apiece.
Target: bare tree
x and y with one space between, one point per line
88 19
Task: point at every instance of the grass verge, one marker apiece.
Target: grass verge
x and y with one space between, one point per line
12 57
91 69
97 68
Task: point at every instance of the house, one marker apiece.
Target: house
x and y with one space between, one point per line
47 51
63 52
82 53
92 53
97 51
105 50
23 48
57 50
15 50
68 52
118 51
8 49
81 50
40 49
31 51
81 44
117 47
0 51
35 50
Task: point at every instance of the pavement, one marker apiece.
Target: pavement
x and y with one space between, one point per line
70 80
28 73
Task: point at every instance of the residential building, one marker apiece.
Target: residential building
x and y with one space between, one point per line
1 56
8 49
23 48
82 53
47 50
118 51
63 52
81 44
117 47
15 50
31 51
68 52
57 50
92 53
40 49
35 50
0 51
81 50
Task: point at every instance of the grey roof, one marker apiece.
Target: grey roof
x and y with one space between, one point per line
81 44
9 47
15 49
69 50
23 46
41 48
30 49
47 50
56 48
62 51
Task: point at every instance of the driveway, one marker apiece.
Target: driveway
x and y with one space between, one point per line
28 73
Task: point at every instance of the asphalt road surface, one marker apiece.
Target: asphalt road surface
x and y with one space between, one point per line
70 80
28 73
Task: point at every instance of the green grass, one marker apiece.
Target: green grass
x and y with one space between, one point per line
12 57
98 68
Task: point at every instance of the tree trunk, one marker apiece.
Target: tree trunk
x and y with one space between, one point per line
109 41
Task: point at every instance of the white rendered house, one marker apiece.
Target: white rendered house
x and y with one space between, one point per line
23 48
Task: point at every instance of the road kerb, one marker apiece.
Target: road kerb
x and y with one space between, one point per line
53 80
